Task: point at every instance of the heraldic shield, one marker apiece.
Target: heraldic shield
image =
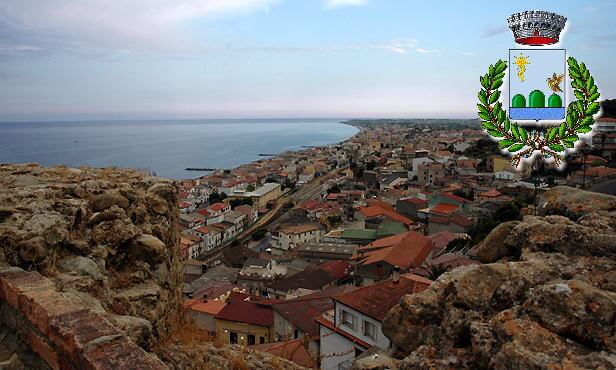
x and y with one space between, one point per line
537 84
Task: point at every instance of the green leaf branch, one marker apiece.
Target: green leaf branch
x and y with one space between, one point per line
523 143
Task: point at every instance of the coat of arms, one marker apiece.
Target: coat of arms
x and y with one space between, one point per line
540 121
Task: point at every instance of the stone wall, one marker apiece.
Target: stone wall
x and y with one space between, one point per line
64 334
91 277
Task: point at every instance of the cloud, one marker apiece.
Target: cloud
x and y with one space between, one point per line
332 4
427 51
493 31
398 46
103 24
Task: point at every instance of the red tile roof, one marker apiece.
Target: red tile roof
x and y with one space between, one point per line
404 250
301 312
377 299
379 203
292 350
492 193
416 201
208 307
454 197
373 211
337 269
217 207
241 308
444 209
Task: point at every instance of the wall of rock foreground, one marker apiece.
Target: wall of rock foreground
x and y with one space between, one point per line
544 299
90 273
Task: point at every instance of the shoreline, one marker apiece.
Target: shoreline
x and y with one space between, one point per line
272 156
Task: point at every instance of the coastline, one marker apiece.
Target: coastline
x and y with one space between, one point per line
269 157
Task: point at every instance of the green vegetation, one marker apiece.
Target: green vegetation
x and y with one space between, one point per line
239 202
258 234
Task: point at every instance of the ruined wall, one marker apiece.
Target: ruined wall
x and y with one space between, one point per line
90 274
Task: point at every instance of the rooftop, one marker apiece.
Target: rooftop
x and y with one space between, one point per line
404 250
377 299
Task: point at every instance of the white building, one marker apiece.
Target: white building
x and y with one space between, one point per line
355 323
290 236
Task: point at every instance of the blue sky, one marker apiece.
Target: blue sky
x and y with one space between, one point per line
102 59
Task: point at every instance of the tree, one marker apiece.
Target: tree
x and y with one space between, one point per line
334 220
250 187
371 165
258 234
216 197
240 201
334 189
434 271
508 211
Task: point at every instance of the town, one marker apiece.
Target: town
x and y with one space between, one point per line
302 255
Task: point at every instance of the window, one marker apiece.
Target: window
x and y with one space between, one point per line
295 334
261 340
251 339
348 319
369 330
233 337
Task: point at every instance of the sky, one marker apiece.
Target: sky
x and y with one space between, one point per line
147 59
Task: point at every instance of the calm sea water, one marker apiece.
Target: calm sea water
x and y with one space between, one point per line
164 147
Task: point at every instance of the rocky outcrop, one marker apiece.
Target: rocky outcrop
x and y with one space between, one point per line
95 233
90 273
548 303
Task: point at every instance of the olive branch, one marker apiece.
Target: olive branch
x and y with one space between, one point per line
554 141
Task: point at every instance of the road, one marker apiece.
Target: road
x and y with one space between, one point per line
605 187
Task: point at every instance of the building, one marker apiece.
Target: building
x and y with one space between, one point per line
430 173
295 318
355 323
322 252
379 259
324 276
262 195
245 320
288 237
604 137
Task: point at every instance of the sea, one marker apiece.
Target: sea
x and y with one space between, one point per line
163 147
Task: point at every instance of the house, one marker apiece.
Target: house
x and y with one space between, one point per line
204 313
288 237
379 259
305 282
245 320
262 195
491 195
211 236
322 252
430 173
409 206
191 246
295 318
293 350
455 224
374 215
355 323
249 212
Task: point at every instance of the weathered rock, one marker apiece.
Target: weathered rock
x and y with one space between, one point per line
148 247
551 304
32 250
493 247
139 330
78 265
103 201
563 200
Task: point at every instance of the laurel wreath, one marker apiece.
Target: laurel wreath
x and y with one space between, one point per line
552 142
